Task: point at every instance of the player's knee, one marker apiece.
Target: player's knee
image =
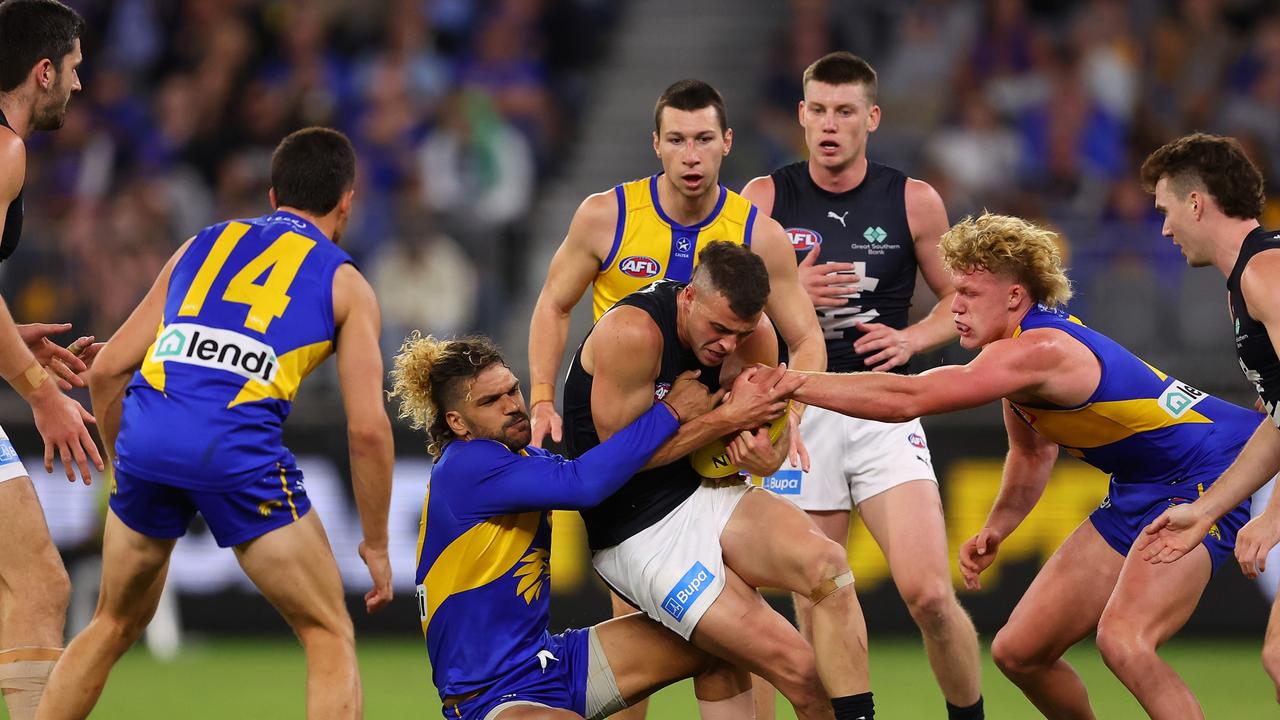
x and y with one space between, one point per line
1271 662
336 633
43 593
1121 645
1014 655
121 631
930 604
823 560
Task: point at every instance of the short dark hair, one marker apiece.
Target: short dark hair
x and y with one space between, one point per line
737 273
690 95
843 68
429 376
1213 162
312 169
30 31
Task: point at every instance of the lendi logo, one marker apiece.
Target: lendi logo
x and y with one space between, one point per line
218 349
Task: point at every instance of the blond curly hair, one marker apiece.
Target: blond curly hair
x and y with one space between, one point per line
429 375
1010 246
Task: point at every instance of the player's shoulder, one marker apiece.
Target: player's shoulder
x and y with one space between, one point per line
920 193
13 159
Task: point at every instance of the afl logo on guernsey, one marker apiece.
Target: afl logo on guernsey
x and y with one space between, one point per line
803 239
639 266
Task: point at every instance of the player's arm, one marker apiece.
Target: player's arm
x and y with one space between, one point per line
887 347
789 307
1003 368
626 349
358 320
1027 468
574 265
124 353
761 192
517 483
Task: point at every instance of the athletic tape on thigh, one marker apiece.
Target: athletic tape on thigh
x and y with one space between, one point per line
829 586
604 698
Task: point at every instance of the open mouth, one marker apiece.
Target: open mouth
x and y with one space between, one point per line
829 146
691 179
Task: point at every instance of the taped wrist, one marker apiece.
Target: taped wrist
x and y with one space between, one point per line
542 392
829 586
28 380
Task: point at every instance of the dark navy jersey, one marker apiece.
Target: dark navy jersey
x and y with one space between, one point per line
1253 345
651 494
866 226
12 216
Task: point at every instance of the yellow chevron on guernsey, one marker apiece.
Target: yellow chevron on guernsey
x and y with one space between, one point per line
479 556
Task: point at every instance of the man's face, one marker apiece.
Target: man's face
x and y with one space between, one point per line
981 306
712 328
837 120
493 409
51 108
1180 223
691 148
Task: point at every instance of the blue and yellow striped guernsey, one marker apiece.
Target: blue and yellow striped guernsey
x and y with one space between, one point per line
649 246
247 315
1139 425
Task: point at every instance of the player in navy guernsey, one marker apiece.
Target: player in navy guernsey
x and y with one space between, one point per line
484 550
1211 197
191 394
39 54
873 228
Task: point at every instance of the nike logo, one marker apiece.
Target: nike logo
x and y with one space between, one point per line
832 214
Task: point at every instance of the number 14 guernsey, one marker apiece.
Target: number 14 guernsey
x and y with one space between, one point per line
248 314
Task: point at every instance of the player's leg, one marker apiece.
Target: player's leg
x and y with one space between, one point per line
1150 603
294 568
769 542
633 657
1271 647
134 566
532 712
1061 607
638 710
906 521
34 590
743 630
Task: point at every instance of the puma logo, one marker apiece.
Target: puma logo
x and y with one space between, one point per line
832 214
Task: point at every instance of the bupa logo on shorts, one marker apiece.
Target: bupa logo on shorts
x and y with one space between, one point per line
7 453
660 390
640 266
784 482
803 239
916 440
687 591
218 349
1178 398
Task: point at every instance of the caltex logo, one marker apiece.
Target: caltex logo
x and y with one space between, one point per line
875 234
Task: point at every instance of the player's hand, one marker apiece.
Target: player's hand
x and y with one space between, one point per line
690 398
61 422
751 451
759 395
545 420
1254 541
86 349
379 564
976 554
798 454
1175 533
827 284
894 346
64 364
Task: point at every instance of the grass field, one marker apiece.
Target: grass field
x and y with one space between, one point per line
264 679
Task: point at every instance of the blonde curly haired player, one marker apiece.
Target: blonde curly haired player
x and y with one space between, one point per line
1011 246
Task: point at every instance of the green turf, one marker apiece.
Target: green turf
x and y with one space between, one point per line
264 679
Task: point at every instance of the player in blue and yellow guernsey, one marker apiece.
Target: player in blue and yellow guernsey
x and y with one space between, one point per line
1063 385
192 415
484 548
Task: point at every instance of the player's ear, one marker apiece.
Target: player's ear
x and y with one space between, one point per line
344 205
271 197
728 140
456 423
655 144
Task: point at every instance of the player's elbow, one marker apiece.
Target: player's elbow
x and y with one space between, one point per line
370 435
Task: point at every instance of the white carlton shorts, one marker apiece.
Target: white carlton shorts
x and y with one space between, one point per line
674 569
10 464
851 460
